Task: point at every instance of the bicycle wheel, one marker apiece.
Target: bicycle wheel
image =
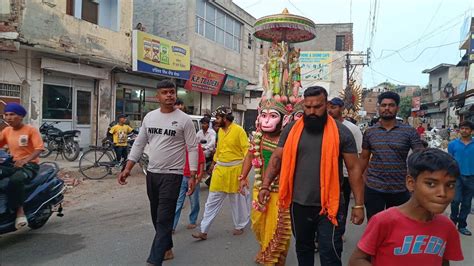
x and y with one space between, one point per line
96 164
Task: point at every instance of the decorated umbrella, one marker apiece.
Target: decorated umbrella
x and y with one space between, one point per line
285 27
282 73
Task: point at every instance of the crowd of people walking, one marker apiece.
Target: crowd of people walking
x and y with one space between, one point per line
306 168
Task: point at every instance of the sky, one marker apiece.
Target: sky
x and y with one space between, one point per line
424 33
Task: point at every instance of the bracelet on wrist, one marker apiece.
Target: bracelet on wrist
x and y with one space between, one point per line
358 207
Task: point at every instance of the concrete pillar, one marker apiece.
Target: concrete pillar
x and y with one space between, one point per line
33 85
206 103
105 112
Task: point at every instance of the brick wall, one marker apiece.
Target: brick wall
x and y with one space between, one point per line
9 26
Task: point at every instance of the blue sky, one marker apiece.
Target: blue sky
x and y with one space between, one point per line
417 26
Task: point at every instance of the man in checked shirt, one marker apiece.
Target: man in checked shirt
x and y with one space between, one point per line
385 148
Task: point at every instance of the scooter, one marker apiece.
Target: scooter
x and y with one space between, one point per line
45 194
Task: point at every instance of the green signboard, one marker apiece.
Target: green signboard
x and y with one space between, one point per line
234 85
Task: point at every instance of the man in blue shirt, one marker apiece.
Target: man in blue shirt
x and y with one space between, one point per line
462 149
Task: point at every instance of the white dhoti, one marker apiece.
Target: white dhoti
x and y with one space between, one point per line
239 206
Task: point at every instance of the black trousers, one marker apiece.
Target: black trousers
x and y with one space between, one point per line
305 223
376 201
121 153
18 178
163 192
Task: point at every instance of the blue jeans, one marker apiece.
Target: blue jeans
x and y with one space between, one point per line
194 199
463 197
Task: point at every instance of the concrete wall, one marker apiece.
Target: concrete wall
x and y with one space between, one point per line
326 37
164 18
46 26
9 22
24 68
453 75
369 103
456 76
434 78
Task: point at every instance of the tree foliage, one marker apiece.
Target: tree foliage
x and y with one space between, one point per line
405 107
388 85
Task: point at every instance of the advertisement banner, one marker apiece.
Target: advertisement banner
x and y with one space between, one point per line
415 103
234 85
204 80
315 66
155 55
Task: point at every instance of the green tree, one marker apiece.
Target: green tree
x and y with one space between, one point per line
405 107
388 85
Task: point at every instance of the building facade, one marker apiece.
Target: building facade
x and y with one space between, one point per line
220 36
444 79
57 59
463 100
334 42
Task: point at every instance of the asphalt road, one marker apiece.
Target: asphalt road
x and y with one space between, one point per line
108 224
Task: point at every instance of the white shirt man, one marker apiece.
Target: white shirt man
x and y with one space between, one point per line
209 135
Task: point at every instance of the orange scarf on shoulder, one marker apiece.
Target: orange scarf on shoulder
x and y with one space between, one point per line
329 173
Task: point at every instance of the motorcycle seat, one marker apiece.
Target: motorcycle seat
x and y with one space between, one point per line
70 132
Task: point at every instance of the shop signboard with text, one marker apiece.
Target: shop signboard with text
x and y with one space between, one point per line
235 85
159 56
204 80
316 66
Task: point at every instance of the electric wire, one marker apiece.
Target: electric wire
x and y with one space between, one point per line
446 26
422 51
386 76
302 13
431 21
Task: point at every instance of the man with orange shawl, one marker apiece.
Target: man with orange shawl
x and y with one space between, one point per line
270 224
309 160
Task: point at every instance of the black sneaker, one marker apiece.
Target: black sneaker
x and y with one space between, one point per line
465 231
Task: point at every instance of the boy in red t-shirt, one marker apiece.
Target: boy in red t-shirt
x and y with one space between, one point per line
415 233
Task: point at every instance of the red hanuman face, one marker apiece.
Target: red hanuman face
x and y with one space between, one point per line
270 120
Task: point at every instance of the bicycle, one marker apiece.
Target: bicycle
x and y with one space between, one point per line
101 161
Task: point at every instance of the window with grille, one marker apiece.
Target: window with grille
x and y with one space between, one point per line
216 25
10 90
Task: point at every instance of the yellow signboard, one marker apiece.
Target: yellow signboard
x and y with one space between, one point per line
155 55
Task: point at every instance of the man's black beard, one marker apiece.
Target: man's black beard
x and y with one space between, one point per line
388 117
314 124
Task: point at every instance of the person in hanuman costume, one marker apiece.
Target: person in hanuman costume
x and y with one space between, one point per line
271 225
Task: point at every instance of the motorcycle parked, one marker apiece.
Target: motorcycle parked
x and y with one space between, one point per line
65 143
45 194
434 140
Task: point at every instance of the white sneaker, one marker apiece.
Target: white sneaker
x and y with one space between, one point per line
21 222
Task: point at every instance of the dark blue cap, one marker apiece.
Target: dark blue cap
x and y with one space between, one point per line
15 108
337 101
